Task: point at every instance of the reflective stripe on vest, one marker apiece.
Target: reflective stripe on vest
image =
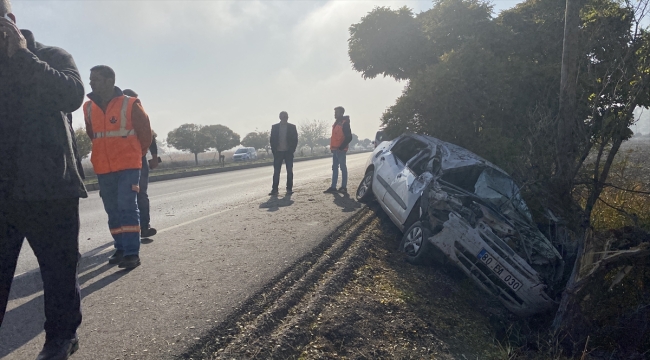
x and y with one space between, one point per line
123 132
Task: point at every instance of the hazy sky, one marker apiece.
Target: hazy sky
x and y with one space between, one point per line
236 63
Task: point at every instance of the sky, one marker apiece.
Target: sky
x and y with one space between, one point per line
235 63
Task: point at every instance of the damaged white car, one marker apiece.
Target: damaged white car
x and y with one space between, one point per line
454 206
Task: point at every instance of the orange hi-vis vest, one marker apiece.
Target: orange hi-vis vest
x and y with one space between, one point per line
337 135
115 144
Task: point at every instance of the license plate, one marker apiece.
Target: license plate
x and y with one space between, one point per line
499 270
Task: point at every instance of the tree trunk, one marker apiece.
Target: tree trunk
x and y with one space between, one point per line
196 158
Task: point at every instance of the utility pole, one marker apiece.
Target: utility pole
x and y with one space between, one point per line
567 128
567 122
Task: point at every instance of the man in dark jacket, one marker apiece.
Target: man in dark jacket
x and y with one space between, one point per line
284 140
40 182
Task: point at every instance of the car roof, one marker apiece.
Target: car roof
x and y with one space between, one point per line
454 156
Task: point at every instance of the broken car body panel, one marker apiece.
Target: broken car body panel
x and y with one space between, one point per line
475 213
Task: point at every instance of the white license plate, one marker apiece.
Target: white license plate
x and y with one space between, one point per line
499 270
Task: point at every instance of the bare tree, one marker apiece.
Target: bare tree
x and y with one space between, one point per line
311 132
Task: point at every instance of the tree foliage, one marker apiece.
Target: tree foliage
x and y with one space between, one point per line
192 138
258 140
313 133
222 138
84 144
490 84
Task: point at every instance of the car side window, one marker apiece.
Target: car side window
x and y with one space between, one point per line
406 149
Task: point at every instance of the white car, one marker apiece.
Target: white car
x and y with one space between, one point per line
245 154
454 206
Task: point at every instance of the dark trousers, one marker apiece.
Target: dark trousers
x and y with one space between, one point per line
278 157
143 197
52 230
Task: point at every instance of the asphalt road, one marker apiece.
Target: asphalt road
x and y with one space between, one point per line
220 239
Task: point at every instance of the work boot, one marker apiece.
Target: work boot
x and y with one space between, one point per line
274 192
130 262
330 190
148 231
343 190
59 349
116 258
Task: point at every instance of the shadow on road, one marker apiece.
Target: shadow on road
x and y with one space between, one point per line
25 322
345 202
275 203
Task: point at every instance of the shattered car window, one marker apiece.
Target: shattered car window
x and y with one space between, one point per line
500 190
406 149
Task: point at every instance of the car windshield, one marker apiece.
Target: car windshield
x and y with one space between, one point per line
241 151
500 189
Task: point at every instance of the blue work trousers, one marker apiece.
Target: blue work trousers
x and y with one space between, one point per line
338 160
119 191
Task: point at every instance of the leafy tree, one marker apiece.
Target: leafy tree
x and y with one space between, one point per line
84 144
222 138
366 142
490 84
258 140
190 137
355 140
312 133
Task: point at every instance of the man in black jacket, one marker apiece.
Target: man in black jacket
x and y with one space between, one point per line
40 181
284 140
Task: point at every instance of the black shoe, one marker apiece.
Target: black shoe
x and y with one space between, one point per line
59 349
130 262
330 190
149 231
343 190
274 192
117 257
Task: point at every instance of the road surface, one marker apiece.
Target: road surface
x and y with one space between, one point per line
220 239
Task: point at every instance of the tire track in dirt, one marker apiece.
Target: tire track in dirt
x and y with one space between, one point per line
274 322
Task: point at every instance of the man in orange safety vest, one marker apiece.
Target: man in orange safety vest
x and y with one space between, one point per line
121 134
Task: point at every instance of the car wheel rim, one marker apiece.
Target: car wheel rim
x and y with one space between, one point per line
365 185
413 241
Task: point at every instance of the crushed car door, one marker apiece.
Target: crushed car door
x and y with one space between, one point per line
408 185
397 198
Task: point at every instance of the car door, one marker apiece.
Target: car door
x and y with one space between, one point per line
406 193
396 197
386 168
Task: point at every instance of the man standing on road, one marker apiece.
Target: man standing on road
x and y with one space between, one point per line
341 137
143 197
121 134
284 141
40 183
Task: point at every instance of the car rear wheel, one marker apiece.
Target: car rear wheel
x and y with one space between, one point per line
415 243
364 191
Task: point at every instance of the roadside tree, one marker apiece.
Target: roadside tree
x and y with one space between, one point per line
354 141
84 144
190 137
258 140
222 138
312 132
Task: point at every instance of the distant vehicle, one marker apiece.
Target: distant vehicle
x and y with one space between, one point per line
245 154
454 206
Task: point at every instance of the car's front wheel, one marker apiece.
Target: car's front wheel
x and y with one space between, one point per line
364 191
415 243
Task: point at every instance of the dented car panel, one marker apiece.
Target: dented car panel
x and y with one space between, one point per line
475 215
